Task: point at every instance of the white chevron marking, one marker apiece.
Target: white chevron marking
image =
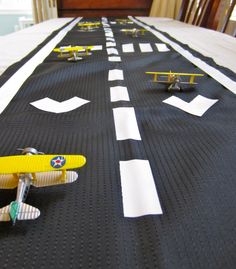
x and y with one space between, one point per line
198 106
53 106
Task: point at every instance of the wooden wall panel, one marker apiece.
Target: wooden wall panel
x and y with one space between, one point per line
94 8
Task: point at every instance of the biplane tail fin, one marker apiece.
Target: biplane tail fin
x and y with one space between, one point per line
18 211
27 212
4 213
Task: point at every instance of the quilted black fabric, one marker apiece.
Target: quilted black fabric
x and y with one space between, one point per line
192 160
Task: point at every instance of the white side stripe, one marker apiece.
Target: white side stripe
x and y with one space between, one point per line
139 193
13 84
213 72
126 124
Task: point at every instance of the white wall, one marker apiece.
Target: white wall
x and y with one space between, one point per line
11 11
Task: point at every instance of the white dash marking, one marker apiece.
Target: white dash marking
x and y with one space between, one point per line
108 30
110 44
110 34
126 124
110 39
114 59
115 74
112 51
139 192
119 93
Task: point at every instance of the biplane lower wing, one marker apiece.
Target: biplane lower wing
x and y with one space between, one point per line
168 82
8 181
39 163
43 179
54 178
27 212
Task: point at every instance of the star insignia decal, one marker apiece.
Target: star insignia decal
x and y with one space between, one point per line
58 162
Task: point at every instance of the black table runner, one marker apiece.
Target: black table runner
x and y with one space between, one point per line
192 160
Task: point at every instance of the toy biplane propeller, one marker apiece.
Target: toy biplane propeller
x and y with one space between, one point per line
134 32
37 169
74 53
174 79
89 26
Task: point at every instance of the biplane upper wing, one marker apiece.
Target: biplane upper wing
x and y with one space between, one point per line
89 24
76 48
170 75
68 49
62 49
39 163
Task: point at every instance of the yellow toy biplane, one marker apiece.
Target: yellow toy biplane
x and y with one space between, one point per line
134 32
174 79
73 53
89 26
33 168
124 21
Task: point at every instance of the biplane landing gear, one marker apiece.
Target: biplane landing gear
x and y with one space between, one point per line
176 84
